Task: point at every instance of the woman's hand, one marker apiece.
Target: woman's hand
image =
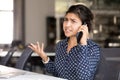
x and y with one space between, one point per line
84 29
39 50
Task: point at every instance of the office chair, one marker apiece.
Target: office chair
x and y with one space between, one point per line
5 60
25 56
109 67
99 75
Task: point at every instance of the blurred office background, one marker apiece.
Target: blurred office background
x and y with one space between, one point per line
26 21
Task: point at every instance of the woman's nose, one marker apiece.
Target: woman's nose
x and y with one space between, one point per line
68 23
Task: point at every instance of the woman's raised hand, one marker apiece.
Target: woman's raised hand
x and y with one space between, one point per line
39 49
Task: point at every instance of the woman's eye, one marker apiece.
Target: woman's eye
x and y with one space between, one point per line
65 19
74 21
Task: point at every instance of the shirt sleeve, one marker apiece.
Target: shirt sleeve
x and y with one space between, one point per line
50 68
45 62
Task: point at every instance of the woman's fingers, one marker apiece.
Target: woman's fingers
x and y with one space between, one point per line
39 49
38 46
32 46
84 28
42 48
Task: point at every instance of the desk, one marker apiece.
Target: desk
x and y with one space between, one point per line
34 61
16 74
18 53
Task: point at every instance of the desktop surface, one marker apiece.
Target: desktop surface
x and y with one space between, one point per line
8 73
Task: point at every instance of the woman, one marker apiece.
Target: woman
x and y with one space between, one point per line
73 61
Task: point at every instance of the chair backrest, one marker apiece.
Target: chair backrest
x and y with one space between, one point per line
5 60
23 59
109 67
101 67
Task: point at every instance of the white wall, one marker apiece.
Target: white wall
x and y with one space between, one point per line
36 12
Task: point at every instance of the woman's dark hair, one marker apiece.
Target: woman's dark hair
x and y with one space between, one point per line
84 13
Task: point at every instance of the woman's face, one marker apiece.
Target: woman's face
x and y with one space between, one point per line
71 24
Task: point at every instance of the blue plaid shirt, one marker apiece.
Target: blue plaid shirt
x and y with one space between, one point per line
79 64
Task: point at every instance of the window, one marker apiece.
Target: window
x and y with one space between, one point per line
6 21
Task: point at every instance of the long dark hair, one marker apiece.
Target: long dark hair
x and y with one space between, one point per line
84 13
